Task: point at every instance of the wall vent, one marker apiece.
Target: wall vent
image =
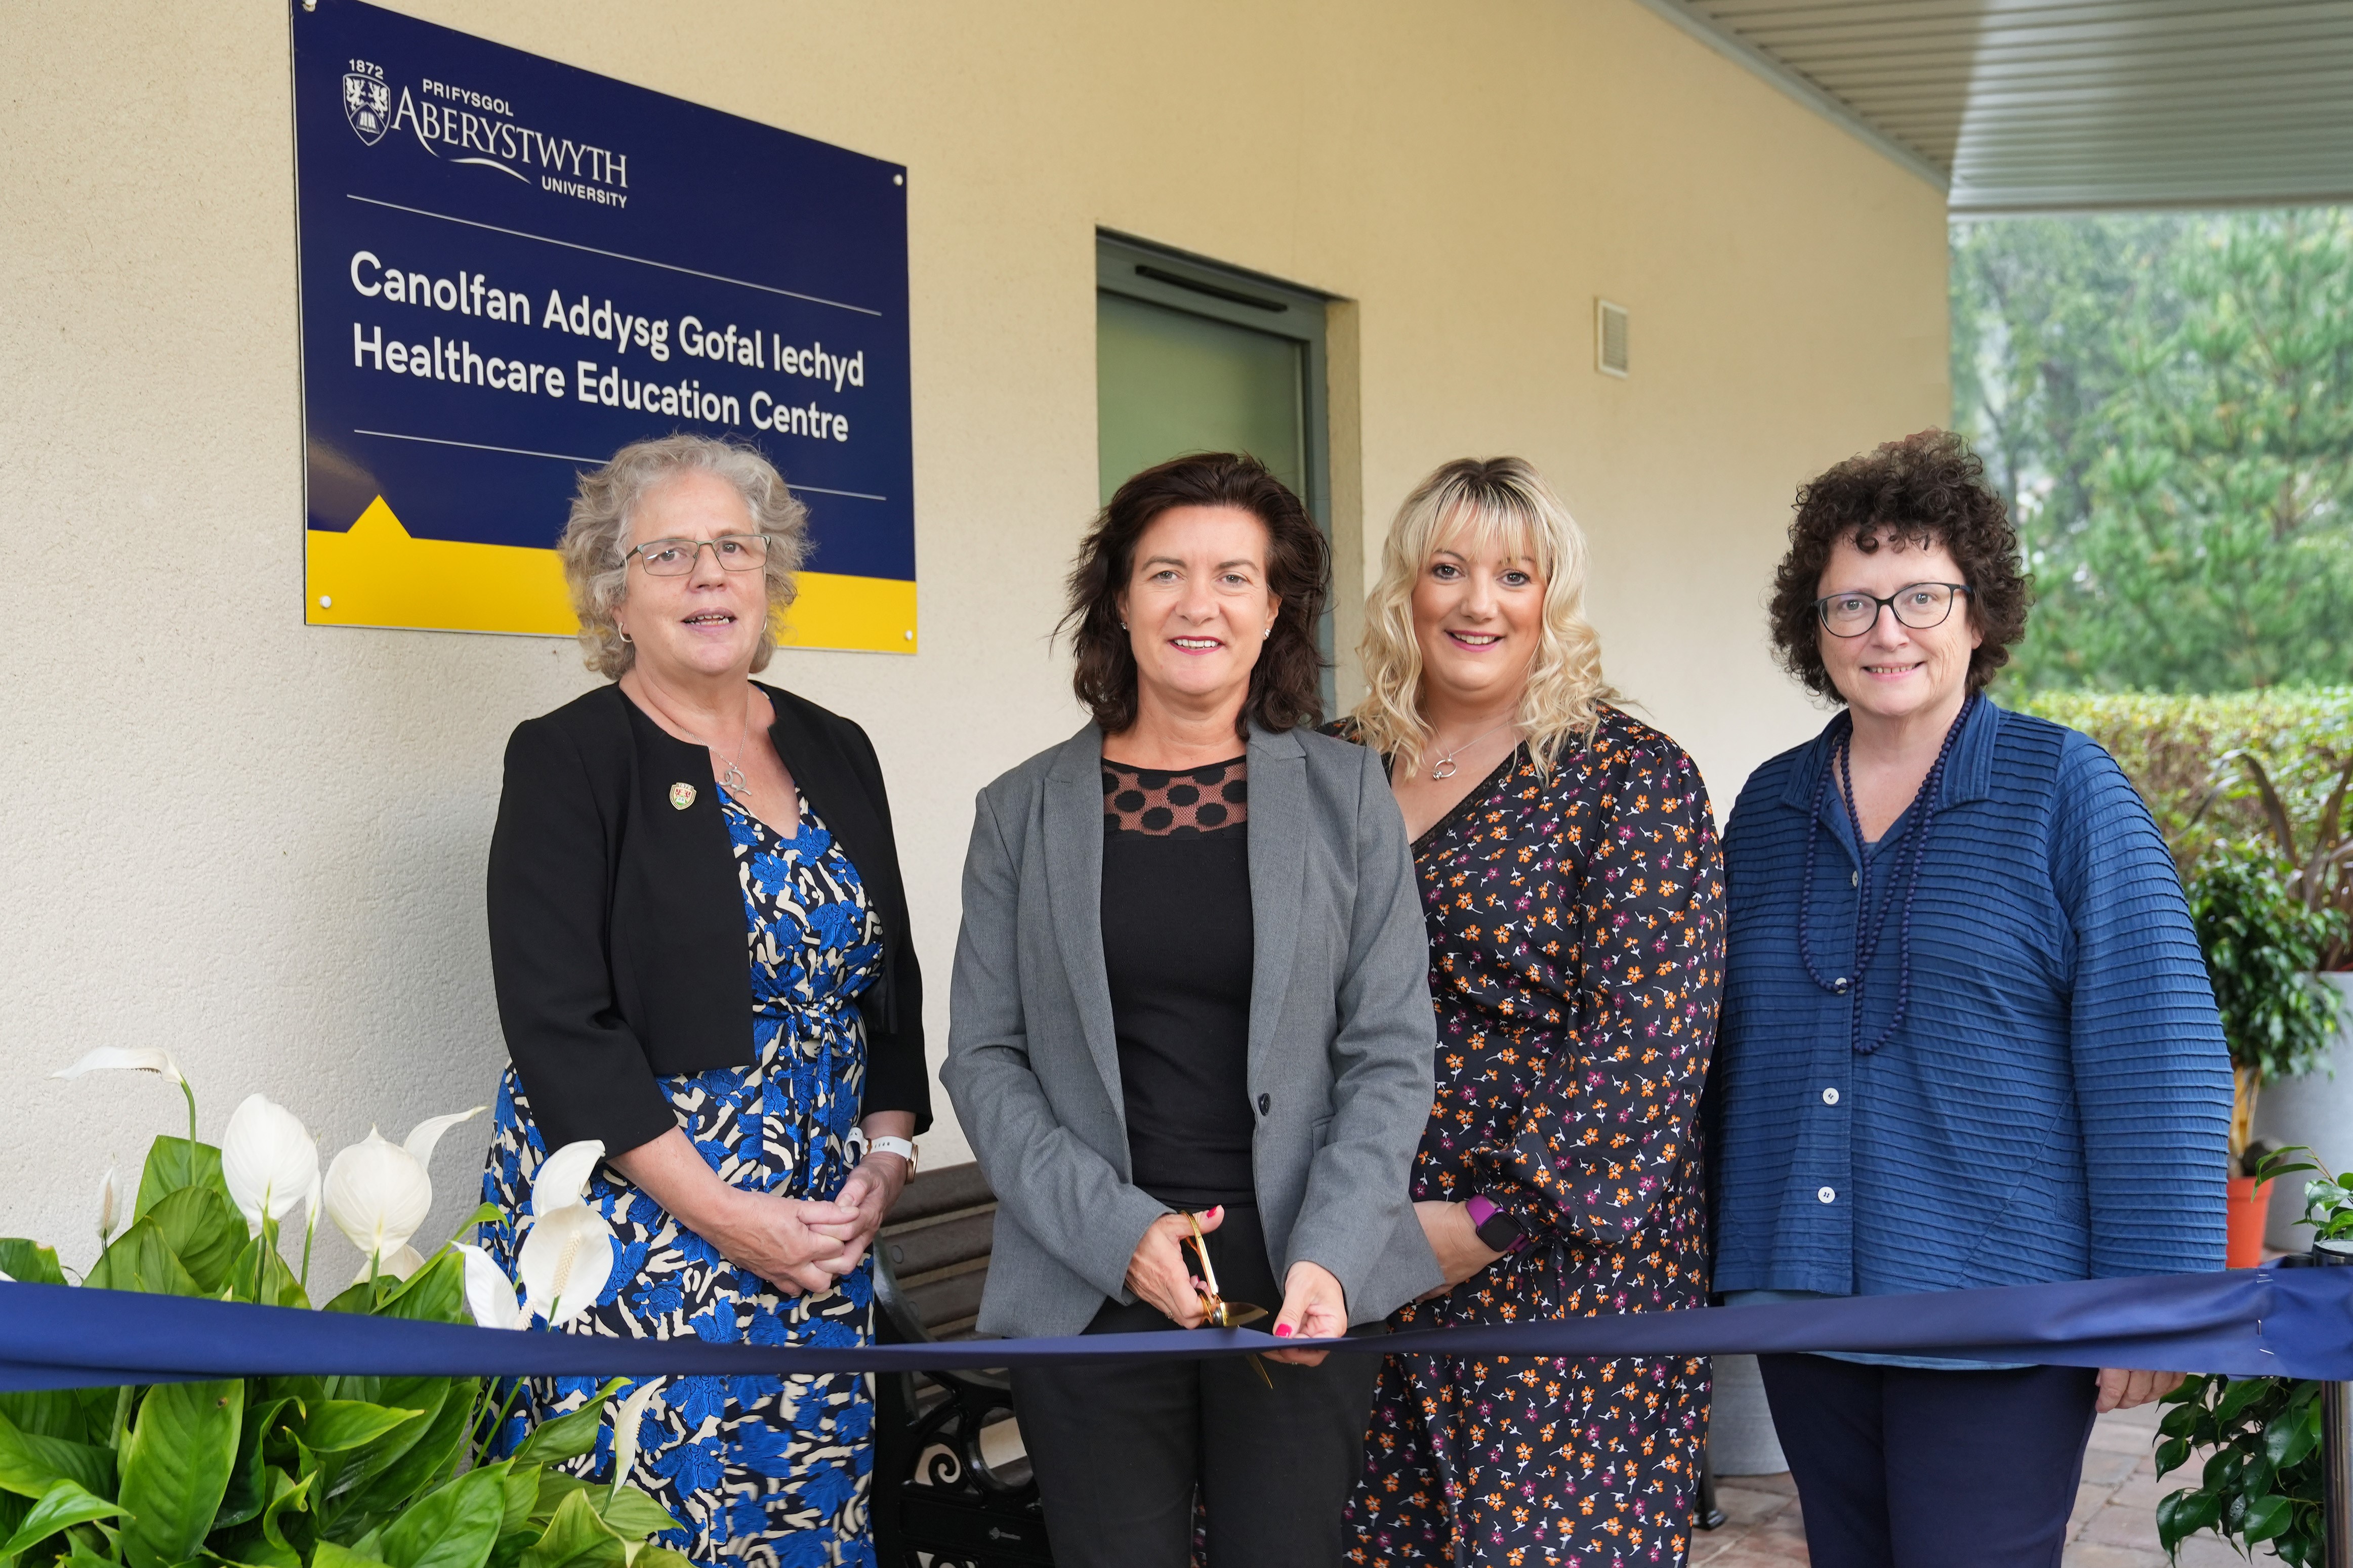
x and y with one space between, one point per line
1609 338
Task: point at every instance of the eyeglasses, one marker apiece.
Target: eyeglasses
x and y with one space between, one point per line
1221 1312
676 557
1920 605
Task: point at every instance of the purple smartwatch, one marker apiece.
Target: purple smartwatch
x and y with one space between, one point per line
1494 1227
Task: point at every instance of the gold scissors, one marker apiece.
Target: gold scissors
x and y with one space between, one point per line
1221 1312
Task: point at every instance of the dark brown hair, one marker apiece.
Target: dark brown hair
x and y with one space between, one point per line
1285 685
1924 490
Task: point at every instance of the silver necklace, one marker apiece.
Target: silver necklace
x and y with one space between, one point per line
1444 767
731 780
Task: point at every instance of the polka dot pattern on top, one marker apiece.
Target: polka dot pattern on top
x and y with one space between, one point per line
1174 804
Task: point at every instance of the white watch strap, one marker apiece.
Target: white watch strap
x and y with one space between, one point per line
902 1147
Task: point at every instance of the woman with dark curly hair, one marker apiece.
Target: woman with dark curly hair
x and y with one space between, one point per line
1967 1039
1191 1008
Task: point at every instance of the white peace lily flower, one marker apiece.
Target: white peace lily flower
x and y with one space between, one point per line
427 1133
563 1177
565 1261
268 1159
624 1430
490 1294
127 1059
377 1194
398 1264
110 1206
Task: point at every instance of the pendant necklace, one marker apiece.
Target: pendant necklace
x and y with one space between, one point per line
1444 767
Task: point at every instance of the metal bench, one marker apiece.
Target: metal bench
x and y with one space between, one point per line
950 1488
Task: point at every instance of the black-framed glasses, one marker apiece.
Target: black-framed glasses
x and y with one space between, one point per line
1920 605
676 557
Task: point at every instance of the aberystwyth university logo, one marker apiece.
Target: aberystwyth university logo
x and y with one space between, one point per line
367 101
477 127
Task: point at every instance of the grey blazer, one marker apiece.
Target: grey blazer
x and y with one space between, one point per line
1341 1035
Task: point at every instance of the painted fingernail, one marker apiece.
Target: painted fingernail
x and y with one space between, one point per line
1282 1330
1217 1209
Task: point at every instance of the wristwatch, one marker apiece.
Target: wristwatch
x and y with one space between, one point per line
1494 1227
902 1147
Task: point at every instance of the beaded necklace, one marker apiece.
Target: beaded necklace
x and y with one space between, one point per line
1867 933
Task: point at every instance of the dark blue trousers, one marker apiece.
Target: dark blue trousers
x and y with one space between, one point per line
1908 1468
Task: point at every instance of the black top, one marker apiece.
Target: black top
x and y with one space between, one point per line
1176 933
617 919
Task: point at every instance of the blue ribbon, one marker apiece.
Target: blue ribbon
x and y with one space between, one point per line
2268 1322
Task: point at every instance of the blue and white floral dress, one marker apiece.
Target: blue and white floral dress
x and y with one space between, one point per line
769 1472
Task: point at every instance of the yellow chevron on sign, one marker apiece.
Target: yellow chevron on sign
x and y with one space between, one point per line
377 574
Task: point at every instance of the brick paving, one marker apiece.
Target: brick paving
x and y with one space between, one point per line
2115 1525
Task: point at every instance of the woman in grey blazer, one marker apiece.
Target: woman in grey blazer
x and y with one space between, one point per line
1191 990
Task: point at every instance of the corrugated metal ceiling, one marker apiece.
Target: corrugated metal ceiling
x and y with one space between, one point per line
2069 104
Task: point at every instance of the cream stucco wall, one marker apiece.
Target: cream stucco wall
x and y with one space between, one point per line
260 845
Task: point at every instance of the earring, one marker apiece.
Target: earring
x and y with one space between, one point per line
625 636
1266 634
1122 626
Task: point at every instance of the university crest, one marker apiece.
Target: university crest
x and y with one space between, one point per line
367 104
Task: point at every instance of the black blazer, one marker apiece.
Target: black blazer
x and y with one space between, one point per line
617 919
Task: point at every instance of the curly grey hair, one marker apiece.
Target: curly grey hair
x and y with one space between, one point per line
595 542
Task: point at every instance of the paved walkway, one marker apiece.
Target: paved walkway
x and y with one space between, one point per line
2114 1524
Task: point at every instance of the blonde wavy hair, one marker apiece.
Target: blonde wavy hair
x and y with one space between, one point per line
1500 505
595 542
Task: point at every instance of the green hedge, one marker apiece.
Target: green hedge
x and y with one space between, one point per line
2169 745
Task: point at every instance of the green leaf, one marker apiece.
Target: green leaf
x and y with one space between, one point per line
62 1505
285 1492
30 1465
632 1514
2172 1452
330 1555
522 1496
434 1294
410 1458
485 1213
175 1468
568 1436
575 1538
142 1259
249 1477
203 1228
507 1551
554 1486
660 1557
2242 1393
279 1288
2266 1516
338 1424
452 1528
167 1172
2182 1514
47 1412
28 1262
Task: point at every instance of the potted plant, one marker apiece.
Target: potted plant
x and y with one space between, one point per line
2317 1109
313 1472
2261 940
2261 1436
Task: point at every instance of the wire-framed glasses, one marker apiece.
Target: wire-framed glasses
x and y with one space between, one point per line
1920 605
676 557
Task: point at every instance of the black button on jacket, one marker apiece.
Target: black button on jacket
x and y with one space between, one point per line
616 919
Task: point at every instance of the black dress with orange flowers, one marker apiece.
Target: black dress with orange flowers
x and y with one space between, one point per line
1577 956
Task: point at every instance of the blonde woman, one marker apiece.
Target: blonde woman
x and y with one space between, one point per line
1573 891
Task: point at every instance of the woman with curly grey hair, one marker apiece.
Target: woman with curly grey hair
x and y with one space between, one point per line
649 836
1987 1055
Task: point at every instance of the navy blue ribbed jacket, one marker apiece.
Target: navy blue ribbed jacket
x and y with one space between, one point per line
2056 1104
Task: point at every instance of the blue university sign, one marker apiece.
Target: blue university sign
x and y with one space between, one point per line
510 267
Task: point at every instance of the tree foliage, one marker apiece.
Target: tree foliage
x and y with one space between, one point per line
2167 401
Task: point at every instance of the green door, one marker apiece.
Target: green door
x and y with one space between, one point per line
1169 382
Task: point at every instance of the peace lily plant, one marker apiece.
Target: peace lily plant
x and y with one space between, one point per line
320 1472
